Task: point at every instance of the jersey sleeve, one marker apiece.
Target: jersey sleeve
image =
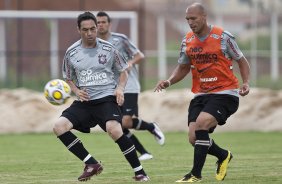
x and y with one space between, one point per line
67 69
183 58
120 63
232 48
130 48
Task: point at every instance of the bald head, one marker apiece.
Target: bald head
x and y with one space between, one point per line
196 7
197 19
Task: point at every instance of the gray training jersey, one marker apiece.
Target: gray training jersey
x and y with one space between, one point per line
92 68
127 50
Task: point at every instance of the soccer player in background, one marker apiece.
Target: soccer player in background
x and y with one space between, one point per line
208 51
130 107
88 69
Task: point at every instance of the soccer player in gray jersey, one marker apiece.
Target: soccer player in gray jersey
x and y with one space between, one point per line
209 53
130 107
88 69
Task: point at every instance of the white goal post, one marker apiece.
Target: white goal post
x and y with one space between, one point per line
53 16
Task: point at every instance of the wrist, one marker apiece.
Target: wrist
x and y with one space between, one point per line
120 87
168 82
246 83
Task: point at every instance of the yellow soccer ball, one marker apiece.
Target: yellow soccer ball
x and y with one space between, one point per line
57 91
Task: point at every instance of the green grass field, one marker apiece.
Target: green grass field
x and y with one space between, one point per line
42 159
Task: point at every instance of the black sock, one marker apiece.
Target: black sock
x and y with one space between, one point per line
130 154
217 151
200 151
139 124
138 146
75 146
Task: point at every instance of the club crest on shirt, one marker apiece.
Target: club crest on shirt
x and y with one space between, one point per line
102 59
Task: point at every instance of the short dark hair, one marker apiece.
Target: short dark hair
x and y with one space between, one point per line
86 16
103 14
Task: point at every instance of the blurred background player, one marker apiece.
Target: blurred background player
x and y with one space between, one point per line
88 68
130 107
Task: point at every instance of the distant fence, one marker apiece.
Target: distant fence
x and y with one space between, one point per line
33 43
32 50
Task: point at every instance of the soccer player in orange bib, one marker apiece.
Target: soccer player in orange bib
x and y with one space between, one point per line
208 51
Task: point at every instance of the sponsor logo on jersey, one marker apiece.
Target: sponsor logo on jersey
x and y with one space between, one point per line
79 60
117 58
232 47
196 49
73 53
200 57
191 38
210 79
106 47
102 58
87 77
204 58
203 69
128 110
215 36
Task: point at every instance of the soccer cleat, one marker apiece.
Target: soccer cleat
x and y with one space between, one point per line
159 136
222 167
145 156
189 178
141 178
89 171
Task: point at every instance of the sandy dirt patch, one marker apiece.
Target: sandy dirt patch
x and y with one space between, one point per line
24 110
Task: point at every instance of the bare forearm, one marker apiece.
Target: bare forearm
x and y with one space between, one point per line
244 70
179 73
123 79
119 92
73 87
137 58
245 75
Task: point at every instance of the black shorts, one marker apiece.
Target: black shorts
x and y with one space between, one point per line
220 106
85 115
130 105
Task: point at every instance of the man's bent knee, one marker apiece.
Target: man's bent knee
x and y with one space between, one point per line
127 121
205 121
114 129
61 126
